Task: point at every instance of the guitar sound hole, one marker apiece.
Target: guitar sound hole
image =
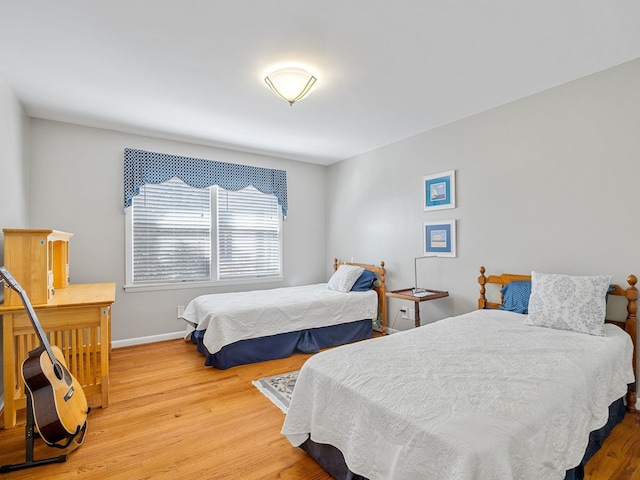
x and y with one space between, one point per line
59 372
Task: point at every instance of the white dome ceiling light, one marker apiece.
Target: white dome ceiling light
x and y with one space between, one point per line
291 84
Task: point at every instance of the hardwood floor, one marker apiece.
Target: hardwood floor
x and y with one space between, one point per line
171 417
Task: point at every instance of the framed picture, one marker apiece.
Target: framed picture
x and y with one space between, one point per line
439 190
439 239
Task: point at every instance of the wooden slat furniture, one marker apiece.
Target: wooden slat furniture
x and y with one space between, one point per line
77 319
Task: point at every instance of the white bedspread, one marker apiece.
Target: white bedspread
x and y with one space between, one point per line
480 396
230 317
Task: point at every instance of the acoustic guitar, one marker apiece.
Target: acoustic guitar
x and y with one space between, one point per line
58 401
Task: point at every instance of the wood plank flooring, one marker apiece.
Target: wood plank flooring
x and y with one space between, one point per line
172 418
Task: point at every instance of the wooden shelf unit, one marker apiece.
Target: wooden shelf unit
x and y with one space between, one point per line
38 260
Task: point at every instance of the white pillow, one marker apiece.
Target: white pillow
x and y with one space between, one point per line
567 302
343 279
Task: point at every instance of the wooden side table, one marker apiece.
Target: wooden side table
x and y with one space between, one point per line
407 294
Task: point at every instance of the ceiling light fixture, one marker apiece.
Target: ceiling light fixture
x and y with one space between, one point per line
291 84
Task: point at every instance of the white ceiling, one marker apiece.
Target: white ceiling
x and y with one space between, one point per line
387 69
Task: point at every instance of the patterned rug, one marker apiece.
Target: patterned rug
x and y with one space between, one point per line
278 388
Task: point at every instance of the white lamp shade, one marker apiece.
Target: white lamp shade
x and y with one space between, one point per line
291 84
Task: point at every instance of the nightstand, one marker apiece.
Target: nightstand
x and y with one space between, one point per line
407 294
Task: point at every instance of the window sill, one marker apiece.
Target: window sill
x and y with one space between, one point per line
208 284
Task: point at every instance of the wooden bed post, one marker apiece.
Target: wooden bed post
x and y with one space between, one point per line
482 280
631 326
382 296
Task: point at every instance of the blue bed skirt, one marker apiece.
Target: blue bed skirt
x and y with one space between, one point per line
332 461
284 344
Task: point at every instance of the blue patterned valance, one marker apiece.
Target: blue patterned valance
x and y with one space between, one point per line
141 167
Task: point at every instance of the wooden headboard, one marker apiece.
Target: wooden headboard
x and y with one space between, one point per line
630 324
380 287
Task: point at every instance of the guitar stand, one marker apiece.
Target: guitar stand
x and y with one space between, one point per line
29 436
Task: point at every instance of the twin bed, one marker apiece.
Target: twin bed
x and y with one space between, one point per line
526 387
238 328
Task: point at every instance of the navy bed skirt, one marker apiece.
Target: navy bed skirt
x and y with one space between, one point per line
332 461
284 344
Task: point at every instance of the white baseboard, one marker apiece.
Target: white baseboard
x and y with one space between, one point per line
150 339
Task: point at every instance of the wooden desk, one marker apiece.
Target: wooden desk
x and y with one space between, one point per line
407 294
78 321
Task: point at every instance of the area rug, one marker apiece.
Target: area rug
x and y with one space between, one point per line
278 388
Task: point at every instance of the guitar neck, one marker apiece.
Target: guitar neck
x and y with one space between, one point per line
14 285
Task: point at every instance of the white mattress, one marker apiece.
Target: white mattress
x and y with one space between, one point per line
480 396
230 317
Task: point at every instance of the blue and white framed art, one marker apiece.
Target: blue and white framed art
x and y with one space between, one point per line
439 191
439 239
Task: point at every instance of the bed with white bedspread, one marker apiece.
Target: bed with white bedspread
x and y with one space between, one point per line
479 396
229 317
258 323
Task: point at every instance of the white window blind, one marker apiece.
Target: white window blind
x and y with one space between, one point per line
181 234
249 240
171 233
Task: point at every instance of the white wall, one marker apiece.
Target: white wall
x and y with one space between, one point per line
77 186
548 183
14 136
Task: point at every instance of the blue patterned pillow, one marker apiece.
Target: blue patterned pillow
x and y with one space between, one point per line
516 296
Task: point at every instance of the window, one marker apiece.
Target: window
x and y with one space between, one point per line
173 228
171 233
248 234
